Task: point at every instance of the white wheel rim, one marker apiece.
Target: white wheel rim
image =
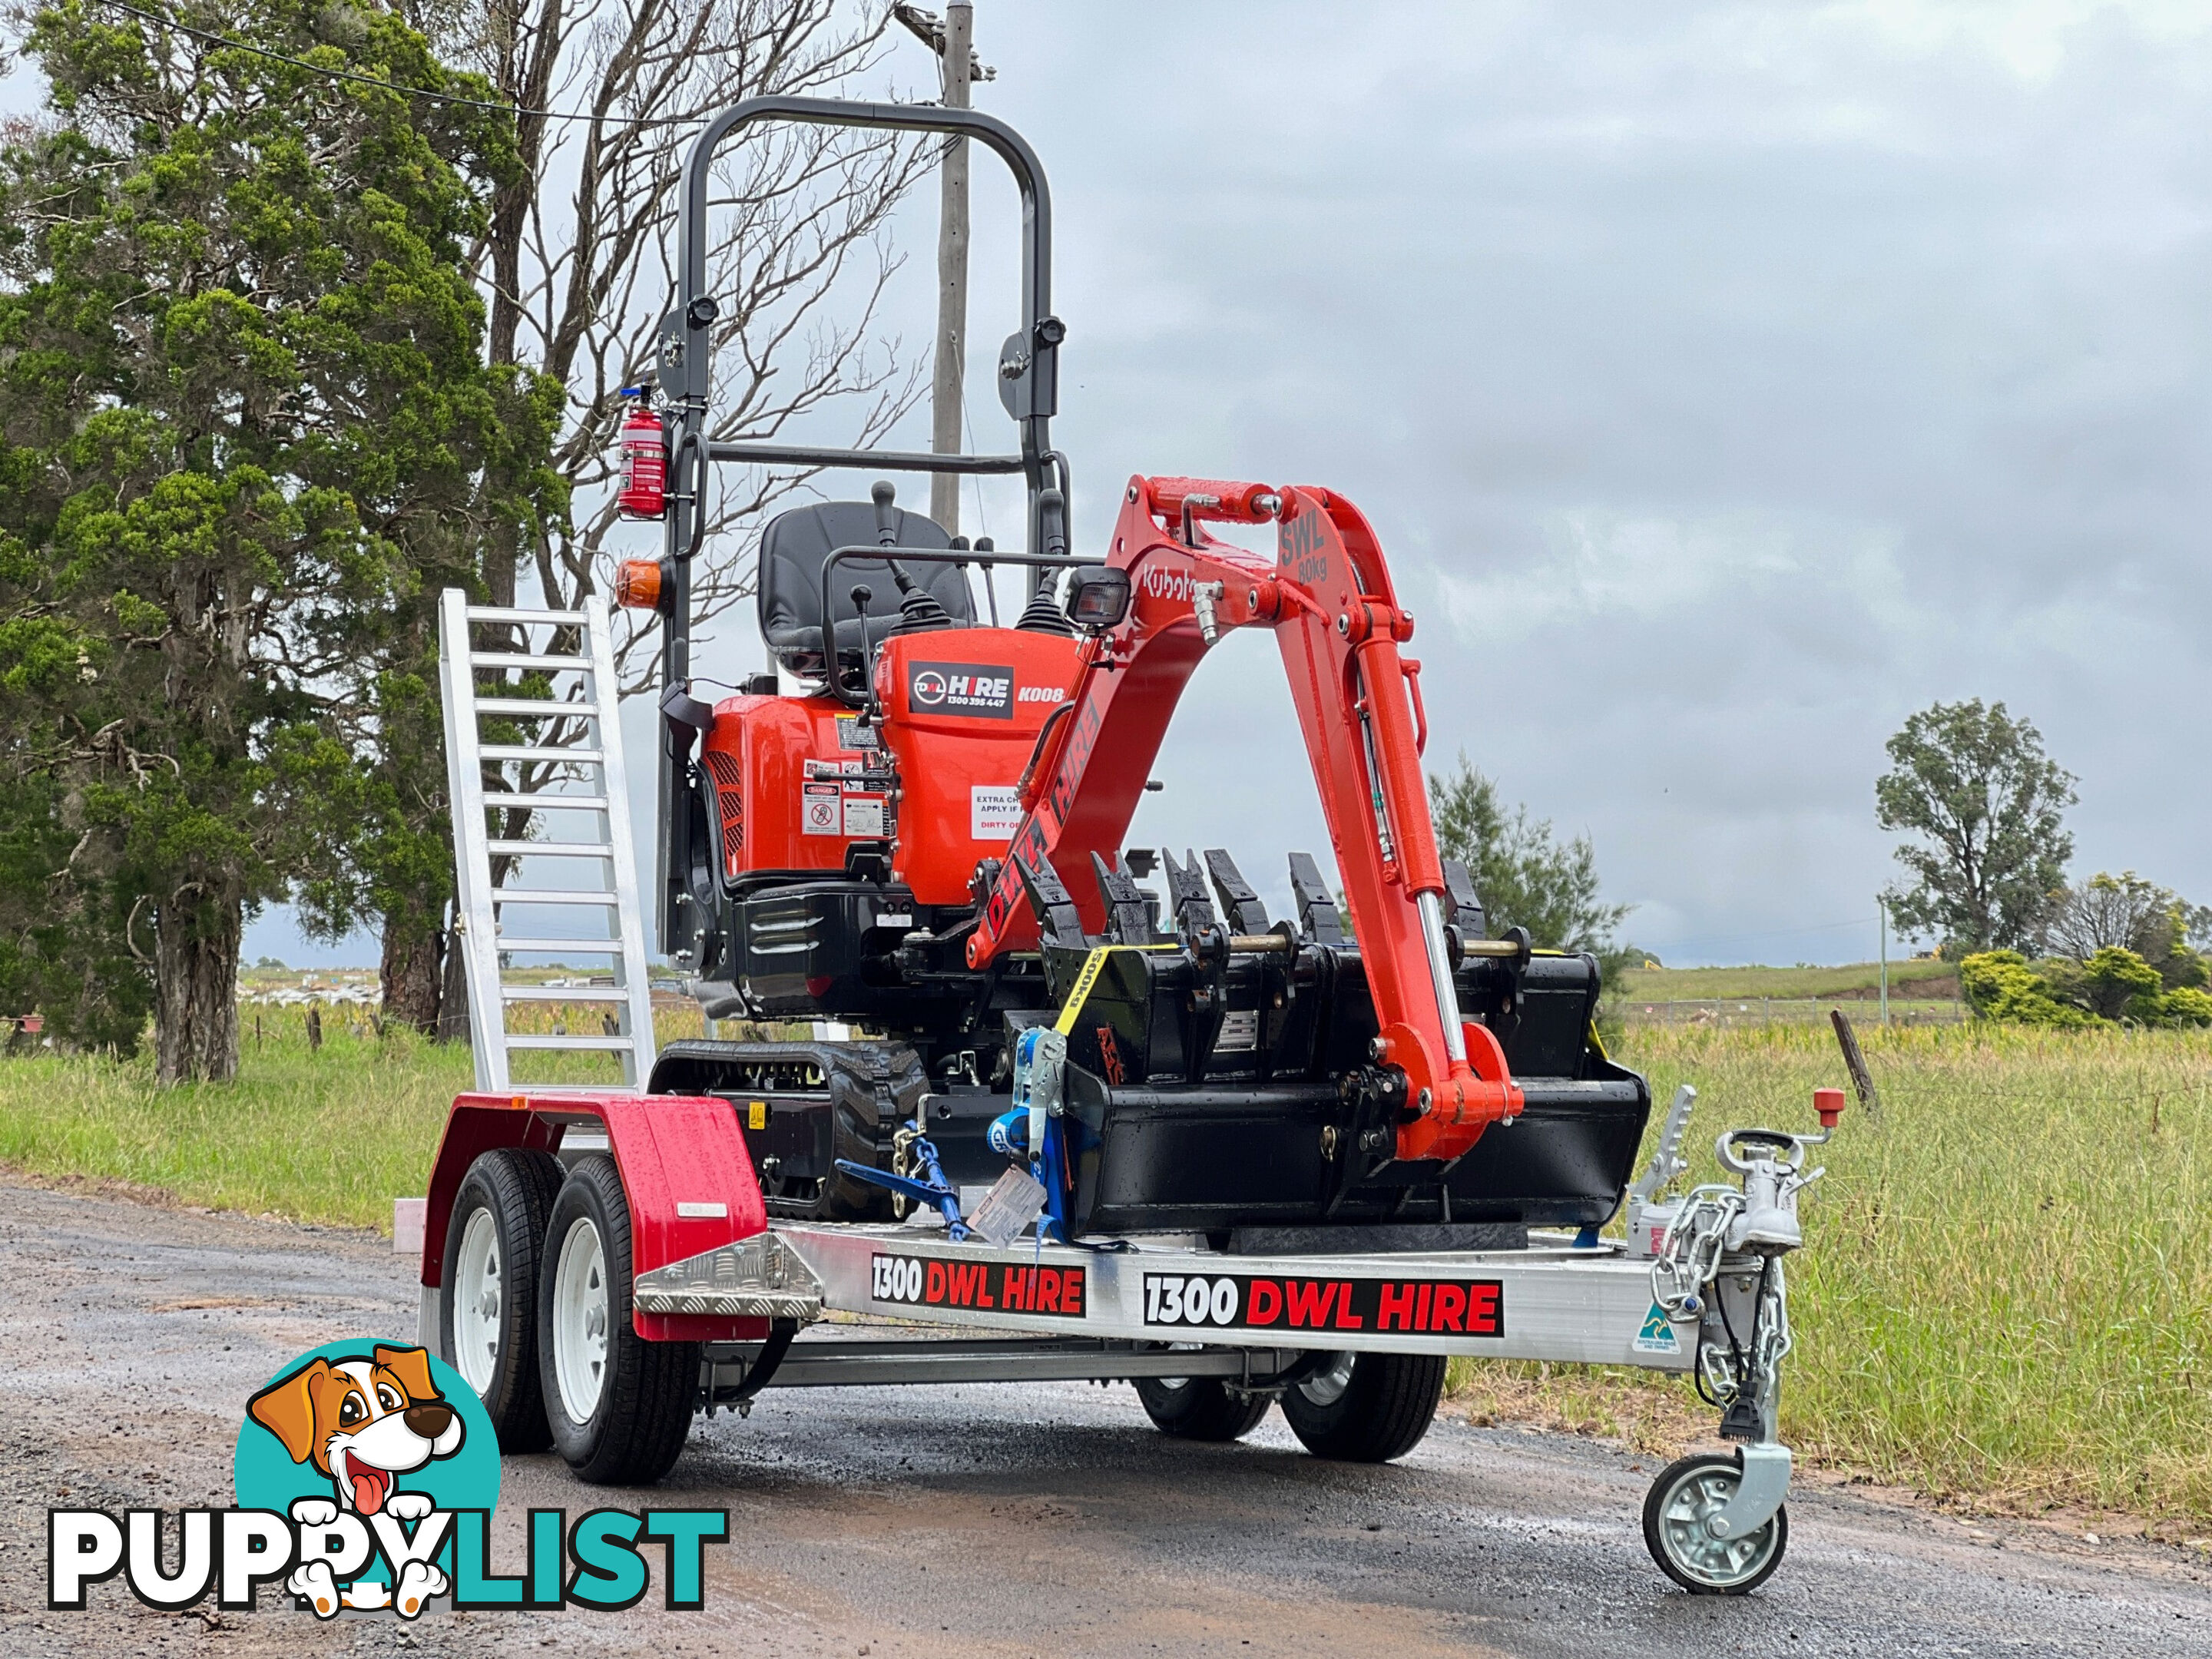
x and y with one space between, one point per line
579 1321
1179 1382
1719 1563
478 1301
1326 1388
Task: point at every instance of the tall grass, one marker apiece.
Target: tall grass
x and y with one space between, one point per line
331 1134
1918 976
2006 1294
2007 1291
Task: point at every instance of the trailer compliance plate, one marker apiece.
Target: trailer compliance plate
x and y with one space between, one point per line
1427 1306
1000 1286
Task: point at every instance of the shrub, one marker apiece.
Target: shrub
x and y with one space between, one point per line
2113 986
2188 1007
2116 984
2001 985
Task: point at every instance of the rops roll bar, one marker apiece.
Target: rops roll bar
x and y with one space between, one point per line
1029 388
1029 362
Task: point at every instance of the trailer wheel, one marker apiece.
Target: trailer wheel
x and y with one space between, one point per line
1200 1407
488 1327
619 1407
1681 1500
1366 1407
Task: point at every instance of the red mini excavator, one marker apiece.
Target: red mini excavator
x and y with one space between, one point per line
1292 1160
916 819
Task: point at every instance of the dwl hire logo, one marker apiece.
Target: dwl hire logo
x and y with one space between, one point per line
365 1475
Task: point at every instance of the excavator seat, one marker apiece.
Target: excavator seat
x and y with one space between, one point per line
797 545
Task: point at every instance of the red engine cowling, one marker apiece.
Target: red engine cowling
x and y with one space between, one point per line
798 779
644 465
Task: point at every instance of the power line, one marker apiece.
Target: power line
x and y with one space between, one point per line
230 44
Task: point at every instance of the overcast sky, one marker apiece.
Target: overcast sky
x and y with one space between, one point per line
1725 382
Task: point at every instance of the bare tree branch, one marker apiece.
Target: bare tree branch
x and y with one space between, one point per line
581 258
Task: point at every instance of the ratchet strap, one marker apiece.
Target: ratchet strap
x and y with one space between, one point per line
1079 992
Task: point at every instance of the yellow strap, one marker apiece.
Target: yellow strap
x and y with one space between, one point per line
1093 964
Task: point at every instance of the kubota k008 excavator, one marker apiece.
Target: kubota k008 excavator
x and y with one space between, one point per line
1292 1160
915 821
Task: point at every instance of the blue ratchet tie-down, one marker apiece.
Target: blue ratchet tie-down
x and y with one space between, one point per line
933 1190
1036 1130
1040 1061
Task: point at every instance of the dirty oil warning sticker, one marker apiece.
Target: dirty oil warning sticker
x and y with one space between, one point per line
1001 1286
1657 1335
1424 1307
819 809
993 812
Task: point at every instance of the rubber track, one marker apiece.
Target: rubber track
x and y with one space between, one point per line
887 1073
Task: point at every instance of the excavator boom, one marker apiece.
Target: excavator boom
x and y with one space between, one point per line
1327 596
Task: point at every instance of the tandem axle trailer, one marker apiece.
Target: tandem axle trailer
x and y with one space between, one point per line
1211 1337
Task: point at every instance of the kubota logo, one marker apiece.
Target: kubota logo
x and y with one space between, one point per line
1162 583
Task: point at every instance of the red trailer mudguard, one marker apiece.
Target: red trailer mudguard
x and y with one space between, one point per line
685 1171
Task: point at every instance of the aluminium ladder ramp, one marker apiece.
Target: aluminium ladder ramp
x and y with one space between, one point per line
573 796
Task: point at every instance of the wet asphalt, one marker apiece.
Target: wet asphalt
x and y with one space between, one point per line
1045 1519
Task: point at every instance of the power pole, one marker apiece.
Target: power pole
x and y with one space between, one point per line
953 41
1881 905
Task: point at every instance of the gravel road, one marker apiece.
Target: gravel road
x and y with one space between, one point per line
993 1521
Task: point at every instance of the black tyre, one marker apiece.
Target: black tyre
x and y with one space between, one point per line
487 1323
1200 1407
1366 1407
850 1097
1681 1500
619 1407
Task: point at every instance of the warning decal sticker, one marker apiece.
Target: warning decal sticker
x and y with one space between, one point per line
995 812
818 811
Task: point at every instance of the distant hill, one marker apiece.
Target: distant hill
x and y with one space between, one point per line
1918 980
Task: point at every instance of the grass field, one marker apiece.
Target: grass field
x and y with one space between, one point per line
2006 1296
2006 1301
1917 979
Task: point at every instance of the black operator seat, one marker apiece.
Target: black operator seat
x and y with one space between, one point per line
797 545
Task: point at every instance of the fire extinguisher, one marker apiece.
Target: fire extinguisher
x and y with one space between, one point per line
644 461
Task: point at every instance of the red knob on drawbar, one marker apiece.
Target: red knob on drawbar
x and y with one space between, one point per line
1828 1104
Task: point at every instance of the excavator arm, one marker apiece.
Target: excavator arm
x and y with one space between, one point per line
1327 596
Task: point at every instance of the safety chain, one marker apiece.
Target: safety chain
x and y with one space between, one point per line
903 1141
1689 1256
1688 1265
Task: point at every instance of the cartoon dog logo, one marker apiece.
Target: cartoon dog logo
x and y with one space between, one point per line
363 1423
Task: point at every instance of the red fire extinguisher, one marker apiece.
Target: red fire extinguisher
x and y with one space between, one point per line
644 461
